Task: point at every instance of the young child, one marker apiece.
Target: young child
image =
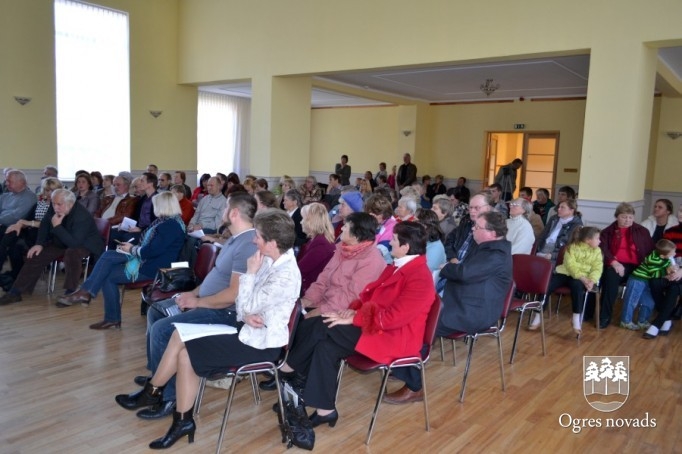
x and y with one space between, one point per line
657 264
580 271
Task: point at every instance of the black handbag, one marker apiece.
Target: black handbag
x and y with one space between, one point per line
168 282
297 430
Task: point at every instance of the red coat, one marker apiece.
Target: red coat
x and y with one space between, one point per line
392 311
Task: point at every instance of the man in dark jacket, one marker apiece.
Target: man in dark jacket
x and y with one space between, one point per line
68 230
474 294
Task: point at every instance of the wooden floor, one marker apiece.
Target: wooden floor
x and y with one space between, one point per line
58 380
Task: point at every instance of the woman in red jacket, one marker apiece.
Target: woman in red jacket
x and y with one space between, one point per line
386 322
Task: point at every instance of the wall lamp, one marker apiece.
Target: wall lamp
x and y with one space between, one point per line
407 132
23 100
155 113
674 134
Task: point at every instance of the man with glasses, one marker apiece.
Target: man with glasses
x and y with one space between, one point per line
475 290
460 241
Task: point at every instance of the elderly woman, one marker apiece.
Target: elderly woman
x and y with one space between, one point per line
558 230
406 210
85 194
310 191
26 230
316 253
267 294
661 219
385 322
286 183
355 263
379 207
292 205
186 206
460 208
443 208
160 245
519 231
624 244
435 251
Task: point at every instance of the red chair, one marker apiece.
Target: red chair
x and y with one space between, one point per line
531 275
363 364
238 372
563 290
470 339
104 229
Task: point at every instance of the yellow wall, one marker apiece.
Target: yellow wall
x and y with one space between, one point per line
28 134
669 152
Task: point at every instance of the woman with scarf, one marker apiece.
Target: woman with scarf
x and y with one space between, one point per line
160 245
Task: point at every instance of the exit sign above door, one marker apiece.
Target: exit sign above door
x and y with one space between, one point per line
519 126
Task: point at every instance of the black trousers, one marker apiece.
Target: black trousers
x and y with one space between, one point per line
665 294
610 280
316 353
577 290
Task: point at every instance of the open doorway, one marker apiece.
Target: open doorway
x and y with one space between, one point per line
538 151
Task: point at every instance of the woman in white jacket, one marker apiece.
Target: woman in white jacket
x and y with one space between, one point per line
519 231
661 219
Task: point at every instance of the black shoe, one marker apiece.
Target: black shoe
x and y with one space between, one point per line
648 336
330 419
664 333
146 397
10 298
141 380
295 379
603 324
158 411
183 424
268 385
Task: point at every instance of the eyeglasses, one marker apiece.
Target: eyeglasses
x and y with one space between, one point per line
478 227
514 204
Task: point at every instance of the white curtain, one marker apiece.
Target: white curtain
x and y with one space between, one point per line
223 124
93 88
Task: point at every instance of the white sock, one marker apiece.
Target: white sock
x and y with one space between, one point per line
536 319
576 321
652 330
667 325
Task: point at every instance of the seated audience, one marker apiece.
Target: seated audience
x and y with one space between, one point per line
16 201
460 241
96 178
286 184
499 204
379 207
310 191
164 182
542 204
267 294
460 209
265 199
209 213
443 209
107 186
85 195
386 322
349 202
564 193
534 218
200 190
179 178
475 290
120 205
519 231
67 230
316 253
661 219
462 190
292 205
186 207
406 210
435 251
558 230
160 244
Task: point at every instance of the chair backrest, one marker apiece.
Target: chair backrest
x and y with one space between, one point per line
560 256
531 273
205 261
104 229
293 322
507 304
431 324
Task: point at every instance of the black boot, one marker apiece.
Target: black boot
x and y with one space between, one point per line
183 424
147 396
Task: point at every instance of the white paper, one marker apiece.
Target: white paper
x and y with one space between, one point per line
197 233
179 265
127 224
190 331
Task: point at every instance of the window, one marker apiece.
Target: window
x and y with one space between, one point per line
222 133
93 88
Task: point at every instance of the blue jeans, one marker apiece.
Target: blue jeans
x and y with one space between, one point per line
160 328
108 274
637 293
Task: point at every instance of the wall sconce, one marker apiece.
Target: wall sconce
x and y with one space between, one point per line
407 132
23 100
489 87
155 113
674 134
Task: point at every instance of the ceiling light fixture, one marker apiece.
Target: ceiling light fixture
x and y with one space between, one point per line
489 87
674 134
23 100
155 113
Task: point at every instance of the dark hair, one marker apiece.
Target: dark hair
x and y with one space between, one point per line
245 204
151 178
668 204
413 234
334 176
426 177
344 156
495 222
664 247
167 175
581 234
87 178
178 188
382 178
96 174
528 190
204 177
275 225
267 198
569 191
379 205
496 186
464 178
544 191
431 224
262 182
232 178
517 161
235 189
362 226
293 194
183 175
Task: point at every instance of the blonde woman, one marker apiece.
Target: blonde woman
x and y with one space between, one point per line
314 255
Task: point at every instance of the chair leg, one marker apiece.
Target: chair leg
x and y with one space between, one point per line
382 391
442 350
454 353
226 415
426 404
516 338
52 277
542 330
558 303
254 388
499 347
281 403
87 267
200 396
471 340
338 380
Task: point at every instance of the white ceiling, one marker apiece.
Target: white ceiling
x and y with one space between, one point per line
552 77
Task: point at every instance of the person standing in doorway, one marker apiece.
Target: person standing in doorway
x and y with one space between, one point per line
506 177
